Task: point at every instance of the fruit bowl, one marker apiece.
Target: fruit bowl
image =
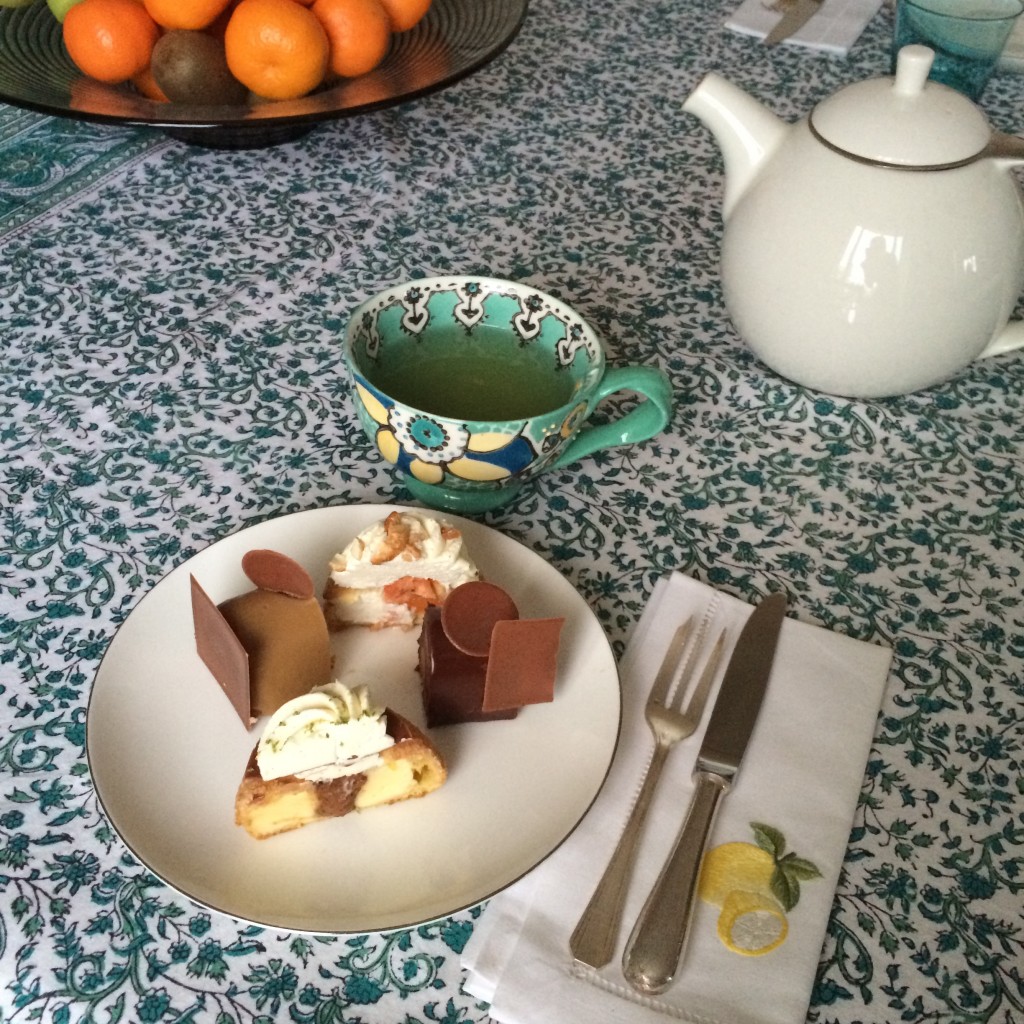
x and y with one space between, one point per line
454 39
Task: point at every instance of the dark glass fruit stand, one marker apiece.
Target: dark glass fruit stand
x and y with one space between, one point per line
454 39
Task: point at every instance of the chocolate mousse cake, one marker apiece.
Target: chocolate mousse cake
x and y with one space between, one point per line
452 681
480 662
268 645
394 570
329 753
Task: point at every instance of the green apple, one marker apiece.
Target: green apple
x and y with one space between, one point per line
60 7
16 3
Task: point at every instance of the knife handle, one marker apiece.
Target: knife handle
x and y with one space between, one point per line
656 944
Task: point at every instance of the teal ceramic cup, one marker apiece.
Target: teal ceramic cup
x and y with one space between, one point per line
473 386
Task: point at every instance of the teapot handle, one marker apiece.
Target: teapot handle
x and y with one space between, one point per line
1004 147
1011 337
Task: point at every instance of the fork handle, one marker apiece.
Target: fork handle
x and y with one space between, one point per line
594 938
656 944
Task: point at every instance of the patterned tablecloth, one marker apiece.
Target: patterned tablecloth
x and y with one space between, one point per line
170 372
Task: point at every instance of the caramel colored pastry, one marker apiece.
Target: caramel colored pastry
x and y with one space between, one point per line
394 570
287 643
266 646
329 753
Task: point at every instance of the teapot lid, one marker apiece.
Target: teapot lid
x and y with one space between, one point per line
903 121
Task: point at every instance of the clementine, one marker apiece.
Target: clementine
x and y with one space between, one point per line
276 48
359 32
219 25
405 13
185 13
110 40
145 83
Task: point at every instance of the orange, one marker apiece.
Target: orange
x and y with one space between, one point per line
359 32
185 13
110 40
219 25
276 48
405 13
146 84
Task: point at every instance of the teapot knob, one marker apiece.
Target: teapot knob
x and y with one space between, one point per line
913 63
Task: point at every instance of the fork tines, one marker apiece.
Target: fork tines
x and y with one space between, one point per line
671 661
676 654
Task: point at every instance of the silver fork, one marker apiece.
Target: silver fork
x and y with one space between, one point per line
593 940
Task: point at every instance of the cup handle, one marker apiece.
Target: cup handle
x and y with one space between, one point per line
648 418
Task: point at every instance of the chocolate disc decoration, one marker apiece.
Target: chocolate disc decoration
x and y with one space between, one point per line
270 570
470 612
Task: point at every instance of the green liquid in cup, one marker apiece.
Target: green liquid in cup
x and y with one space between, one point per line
455 379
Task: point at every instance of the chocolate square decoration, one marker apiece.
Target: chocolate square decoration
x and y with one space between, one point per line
522 663
222 652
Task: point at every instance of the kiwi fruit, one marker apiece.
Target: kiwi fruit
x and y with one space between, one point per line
191 67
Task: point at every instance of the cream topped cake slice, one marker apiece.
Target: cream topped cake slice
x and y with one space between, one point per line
394 570
324 734
330 752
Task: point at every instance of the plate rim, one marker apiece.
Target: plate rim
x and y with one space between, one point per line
414 920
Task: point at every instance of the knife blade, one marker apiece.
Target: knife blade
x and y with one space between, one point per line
655 946
794 19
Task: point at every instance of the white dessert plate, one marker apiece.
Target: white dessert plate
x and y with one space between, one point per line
167 752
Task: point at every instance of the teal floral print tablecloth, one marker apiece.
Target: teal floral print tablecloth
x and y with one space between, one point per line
170 372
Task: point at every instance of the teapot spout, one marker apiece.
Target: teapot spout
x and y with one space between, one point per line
747 133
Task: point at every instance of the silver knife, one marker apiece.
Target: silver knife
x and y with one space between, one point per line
655 947
792 20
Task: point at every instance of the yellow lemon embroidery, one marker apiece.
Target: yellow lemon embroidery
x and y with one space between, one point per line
755 885
752 923
734 867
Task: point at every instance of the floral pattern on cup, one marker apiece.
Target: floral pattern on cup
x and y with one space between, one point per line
431 449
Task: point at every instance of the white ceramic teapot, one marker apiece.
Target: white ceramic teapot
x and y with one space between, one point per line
875 247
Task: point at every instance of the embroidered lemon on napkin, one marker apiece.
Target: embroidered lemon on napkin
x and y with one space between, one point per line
755 885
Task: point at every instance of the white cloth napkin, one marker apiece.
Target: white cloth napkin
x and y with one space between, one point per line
834 28
801 775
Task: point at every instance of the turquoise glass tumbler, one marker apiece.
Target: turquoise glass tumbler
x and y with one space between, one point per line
967 36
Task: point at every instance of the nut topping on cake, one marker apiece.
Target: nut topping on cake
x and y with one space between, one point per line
394 570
